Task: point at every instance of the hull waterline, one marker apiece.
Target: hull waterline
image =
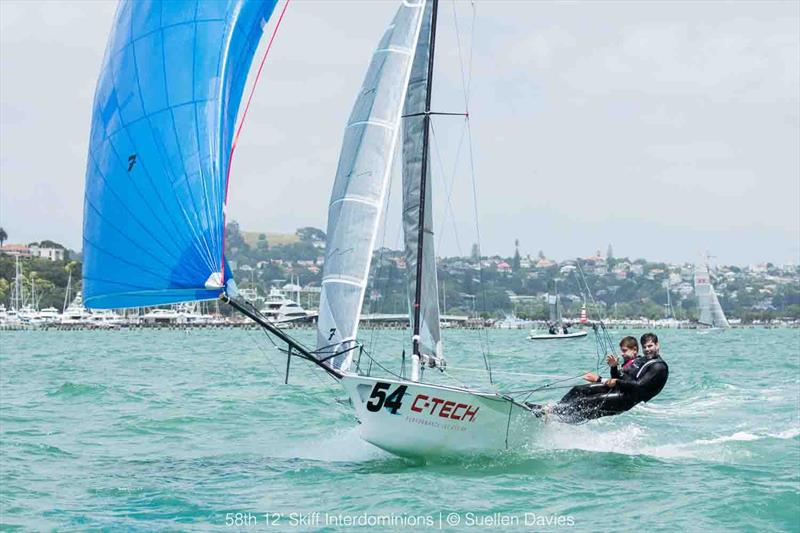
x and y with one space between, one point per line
548 337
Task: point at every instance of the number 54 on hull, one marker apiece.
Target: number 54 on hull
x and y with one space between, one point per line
418 419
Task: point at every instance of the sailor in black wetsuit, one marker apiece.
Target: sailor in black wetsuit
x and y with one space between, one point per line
640 380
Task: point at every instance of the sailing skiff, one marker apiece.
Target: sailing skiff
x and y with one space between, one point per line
160 150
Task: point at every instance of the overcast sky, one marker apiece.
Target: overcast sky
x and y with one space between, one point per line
664 128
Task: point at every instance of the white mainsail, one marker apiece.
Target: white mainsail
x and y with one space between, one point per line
555 306
359 189
430 342
711 313
555 315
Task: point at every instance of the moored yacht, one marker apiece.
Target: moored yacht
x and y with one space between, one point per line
106 318
161 316
278 308
50 315
76 313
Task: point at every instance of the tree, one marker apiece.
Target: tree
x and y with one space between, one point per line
475 254
610 252
234 241
516 262
3 236
51 244
541 254
312 234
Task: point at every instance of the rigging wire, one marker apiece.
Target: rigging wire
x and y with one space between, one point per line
324 385
239 131
603 343
466 79
482 333
448 190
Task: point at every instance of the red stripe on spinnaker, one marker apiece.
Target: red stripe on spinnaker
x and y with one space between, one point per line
239 130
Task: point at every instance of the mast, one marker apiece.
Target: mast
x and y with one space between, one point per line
669 303
16 299
559 320
67 292
422 196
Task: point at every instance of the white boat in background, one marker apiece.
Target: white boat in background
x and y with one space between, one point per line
513 322
164 316
105 318
9 317
278 308
50 315
189 314
710 310
557 336
76 313
558 328
29 316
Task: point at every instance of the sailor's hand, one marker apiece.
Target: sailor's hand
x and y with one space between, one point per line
611 359
611 383
591 377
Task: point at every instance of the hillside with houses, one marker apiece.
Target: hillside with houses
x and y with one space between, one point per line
475 285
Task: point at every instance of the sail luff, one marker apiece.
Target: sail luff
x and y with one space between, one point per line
359 190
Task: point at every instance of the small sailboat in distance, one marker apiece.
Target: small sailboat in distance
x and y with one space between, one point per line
557 329
710 311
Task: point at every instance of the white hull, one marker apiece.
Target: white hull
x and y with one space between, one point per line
706 331
430 420
547 336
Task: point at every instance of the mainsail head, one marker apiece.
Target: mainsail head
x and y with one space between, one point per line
359 190
164 115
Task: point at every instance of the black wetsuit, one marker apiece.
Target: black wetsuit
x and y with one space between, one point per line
629 368
639 382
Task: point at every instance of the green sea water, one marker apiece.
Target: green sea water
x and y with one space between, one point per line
194 430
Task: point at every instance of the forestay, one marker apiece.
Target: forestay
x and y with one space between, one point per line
413 130
360 186
164 115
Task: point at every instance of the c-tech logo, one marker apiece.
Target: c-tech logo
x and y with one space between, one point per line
446 408
381 398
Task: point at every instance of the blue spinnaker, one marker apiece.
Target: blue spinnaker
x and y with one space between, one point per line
163 123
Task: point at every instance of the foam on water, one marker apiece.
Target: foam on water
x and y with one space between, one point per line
343 445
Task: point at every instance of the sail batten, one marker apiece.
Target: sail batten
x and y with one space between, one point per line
163 122
359 190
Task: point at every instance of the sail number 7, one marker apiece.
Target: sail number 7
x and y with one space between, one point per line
380 398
